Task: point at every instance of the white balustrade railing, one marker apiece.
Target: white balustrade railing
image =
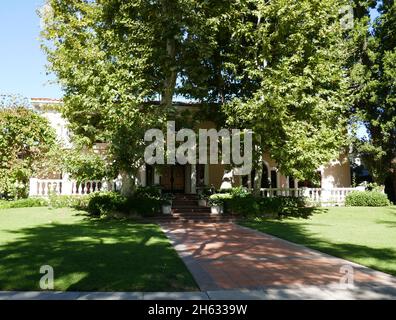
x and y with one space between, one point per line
45 187
320 196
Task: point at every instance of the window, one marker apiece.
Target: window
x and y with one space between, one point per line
149 175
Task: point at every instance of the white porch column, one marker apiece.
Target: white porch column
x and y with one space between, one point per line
142 176
33 190
278 179
156 177
193 176
67 185
249 182
326 196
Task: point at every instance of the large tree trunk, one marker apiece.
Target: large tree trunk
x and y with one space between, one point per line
259 169
170 65
170 79
258 176
128 184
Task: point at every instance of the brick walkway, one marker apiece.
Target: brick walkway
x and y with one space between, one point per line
225 256
231 262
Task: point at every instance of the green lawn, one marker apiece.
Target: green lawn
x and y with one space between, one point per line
360 234
86 254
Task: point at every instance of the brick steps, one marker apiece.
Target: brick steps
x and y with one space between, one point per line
191 210
193 218
185 202
185 209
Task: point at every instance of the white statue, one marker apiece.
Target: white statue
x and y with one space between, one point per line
227 180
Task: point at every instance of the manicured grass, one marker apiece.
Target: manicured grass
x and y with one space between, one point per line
86 254
364 235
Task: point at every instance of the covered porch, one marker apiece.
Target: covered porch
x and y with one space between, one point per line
177 178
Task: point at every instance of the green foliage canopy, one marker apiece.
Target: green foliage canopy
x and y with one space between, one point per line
25 139
276 67
297 53
373 77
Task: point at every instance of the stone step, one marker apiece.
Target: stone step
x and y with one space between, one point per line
190 209
185 203
186 197
196 214
193 218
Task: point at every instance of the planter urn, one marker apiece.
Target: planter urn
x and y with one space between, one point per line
216 209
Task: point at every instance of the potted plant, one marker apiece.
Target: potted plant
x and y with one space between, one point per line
202 200
216 202
203 196
166 203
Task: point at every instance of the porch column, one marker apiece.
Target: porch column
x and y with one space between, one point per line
193 176
142 177
33 190
67 185
156 177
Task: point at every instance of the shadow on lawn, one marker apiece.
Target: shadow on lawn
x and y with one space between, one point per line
383 259
393 209
94 256
390 224
304 213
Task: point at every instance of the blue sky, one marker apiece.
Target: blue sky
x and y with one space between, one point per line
22 63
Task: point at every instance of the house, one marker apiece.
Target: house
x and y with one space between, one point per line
191 177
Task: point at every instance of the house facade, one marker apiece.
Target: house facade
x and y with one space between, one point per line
190 178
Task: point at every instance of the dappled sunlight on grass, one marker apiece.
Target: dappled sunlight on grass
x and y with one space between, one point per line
363 235
87 254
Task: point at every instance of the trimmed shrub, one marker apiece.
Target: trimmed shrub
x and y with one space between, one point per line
367 199
243 205
23 203
282 205
239 192
152 192
62 201
145 207
147 201
242 202
219 199
142 203
106 202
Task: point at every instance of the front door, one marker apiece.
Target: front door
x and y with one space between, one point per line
172 178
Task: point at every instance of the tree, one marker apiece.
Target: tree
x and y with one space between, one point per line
115 58
373 76
25 139
84 164
297 54
276 67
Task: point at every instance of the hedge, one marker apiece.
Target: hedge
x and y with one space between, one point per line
367 199
145 202
242 202
23 203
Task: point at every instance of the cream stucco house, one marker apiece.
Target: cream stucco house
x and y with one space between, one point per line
189 178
